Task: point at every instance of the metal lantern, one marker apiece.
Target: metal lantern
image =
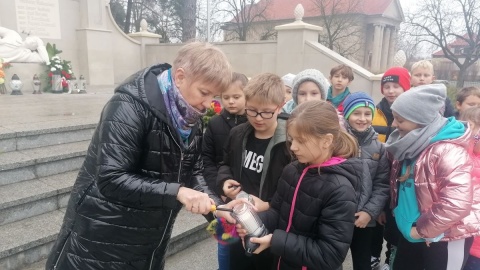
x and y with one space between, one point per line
16 85
248 218
36 83
72 84
82 83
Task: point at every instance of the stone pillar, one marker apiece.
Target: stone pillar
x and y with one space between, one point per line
392 46
145 37
377 47
291 43
95 43
368 46
385 49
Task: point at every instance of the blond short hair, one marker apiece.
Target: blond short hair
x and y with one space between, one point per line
423 64
204 62
266 88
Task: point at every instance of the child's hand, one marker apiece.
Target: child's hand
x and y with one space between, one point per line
225 214
265 242
382 218
241 231
362 219
414 233
231 188
259 204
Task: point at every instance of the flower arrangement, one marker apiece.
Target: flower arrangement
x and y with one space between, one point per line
3 66
215 108
57 66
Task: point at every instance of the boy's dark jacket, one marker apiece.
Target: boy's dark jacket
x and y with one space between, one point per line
373 196
214 139
124 202
276 157
323 218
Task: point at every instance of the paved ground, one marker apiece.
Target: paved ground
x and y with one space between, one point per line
203 256
30 111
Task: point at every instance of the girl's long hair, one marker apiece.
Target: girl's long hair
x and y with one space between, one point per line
318 118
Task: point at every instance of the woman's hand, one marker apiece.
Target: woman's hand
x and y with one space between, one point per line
231 188
265 242
195 201
362 219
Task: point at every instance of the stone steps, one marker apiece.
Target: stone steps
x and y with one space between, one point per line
34 197
50 133
38 167
28 241
22 165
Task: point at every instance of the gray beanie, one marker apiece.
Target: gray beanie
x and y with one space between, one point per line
311 75
421 104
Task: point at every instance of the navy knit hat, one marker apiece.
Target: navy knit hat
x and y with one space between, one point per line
357 100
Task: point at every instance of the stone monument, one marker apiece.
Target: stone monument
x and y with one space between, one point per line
14 49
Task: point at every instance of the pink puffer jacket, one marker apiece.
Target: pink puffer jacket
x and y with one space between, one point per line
444 190
475 250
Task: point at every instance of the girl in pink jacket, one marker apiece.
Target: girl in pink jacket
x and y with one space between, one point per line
472 115
431 186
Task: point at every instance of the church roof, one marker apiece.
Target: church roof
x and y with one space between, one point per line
458 42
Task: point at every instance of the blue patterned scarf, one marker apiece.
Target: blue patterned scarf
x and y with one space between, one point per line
183 115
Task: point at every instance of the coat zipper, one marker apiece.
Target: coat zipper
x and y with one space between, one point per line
171 211
61 251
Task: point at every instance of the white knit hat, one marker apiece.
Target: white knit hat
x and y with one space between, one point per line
311 75
288 79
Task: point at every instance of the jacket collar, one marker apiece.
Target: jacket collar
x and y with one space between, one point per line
233 119
143 86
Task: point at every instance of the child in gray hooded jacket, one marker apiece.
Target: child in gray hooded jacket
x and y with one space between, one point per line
358 113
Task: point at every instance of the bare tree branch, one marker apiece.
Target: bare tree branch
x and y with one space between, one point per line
441 22
245 14
341 26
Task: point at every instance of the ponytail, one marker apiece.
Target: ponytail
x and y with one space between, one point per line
345 145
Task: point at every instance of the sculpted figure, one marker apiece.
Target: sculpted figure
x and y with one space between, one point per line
14 49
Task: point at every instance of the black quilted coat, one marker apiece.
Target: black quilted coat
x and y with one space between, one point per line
323 218
123 204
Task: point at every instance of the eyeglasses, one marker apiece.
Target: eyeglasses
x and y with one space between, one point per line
264 115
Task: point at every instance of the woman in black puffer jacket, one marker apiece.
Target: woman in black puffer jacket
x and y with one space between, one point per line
138 172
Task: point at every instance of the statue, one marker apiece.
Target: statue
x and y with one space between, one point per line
14 49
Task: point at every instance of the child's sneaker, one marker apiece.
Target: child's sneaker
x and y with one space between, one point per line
374 262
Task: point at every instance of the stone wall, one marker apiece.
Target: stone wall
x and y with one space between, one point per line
106 56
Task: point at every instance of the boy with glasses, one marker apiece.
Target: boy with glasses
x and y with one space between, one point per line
255 155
